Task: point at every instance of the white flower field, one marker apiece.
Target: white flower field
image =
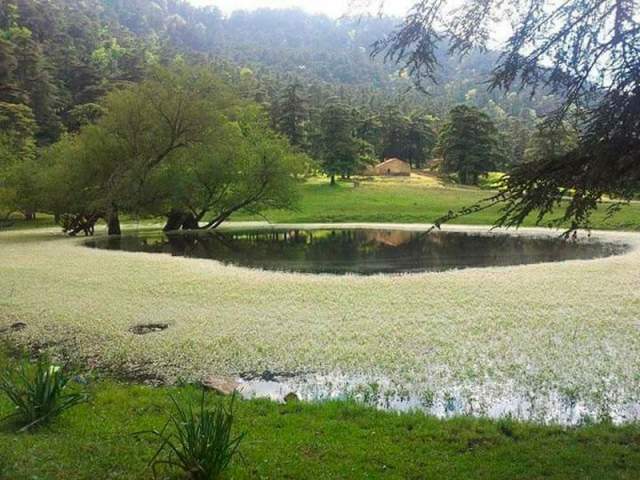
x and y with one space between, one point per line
557 342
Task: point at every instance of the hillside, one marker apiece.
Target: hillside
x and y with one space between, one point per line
59 57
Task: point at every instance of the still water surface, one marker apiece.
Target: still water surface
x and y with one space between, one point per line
359 251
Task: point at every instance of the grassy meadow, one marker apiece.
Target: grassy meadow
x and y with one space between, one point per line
418 199
464 333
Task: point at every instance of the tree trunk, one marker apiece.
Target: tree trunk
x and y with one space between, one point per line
181 220
174 221
333 179
190 222
56 218
468 178
113 222
29 215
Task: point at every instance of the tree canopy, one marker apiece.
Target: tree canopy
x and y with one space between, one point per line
61 61
181 141
584 50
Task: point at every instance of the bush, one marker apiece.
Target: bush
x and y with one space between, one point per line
38 392
201 442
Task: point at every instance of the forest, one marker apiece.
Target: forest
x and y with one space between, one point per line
306 83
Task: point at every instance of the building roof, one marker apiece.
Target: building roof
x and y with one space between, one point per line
390 160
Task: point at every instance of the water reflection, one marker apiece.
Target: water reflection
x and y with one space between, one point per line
360 251
495 401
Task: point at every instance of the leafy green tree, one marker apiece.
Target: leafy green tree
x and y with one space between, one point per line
517 140
370 129
551 141
408 137
8 90
144 126
33 81
180 145
84 114
394 132
18 166
468 144
82 172
242 166
420 139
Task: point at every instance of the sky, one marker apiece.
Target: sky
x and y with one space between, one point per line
332 8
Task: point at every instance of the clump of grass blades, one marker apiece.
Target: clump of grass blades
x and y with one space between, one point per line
38 392
199 442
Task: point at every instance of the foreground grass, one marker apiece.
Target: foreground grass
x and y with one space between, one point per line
334 440
567 333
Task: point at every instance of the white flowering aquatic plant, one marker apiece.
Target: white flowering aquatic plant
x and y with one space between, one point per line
524 341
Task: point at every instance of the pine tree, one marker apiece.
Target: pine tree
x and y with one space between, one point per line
338 147
394 130
468 144
292 115
410 138
8 63
551 141
420 140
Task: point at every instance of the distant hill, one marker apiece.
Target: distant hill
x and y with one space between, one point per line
76 49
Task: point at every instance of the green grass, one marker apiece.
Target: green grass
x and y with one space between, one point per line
334 440
17 222
414 200
573 336
389 200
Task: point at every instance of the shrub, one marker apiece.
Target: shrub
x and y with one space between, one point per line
38 392
200 442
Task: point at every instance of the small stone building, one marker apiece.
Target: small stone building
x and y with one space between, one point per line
390 167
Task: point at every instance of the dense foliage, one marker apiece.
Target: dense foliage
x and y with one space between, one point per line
469 144
180 144
586 51
337 146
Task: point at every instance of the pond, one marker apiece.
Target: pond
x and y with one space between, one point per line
541 405
359 251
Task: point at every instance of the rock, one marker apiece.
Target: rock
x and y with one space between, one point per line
221 385
291 397
148 328
16 327
81 379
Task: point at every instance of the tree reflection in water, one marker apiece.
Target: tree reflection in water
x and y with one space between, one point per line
360 251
